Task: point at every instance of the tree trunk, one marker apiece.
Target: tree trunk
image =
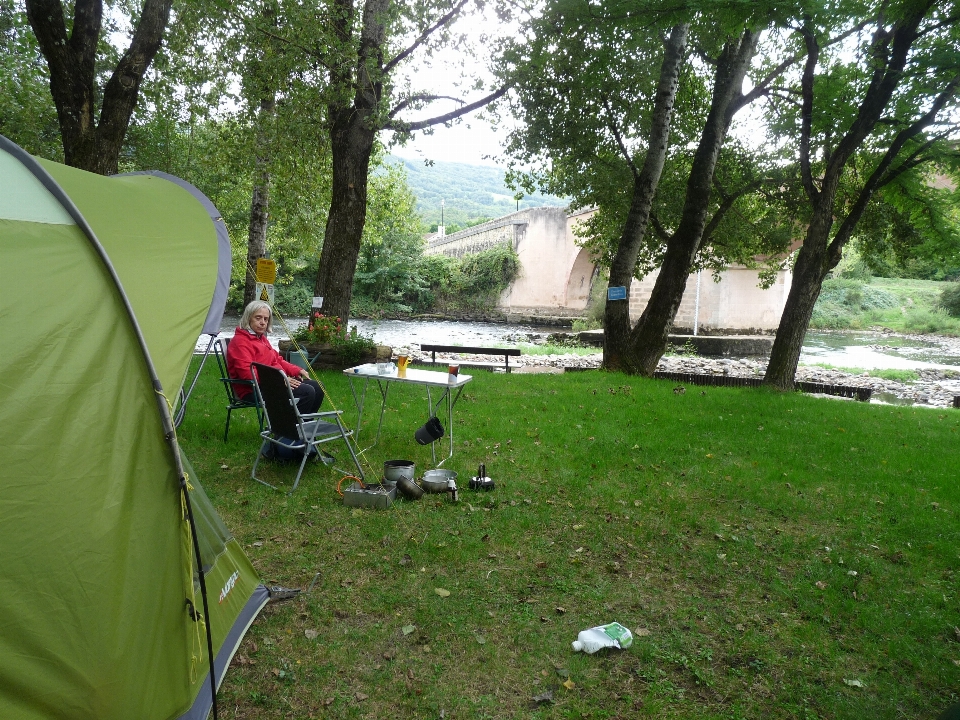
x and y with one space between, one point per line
351 145
818 256
90 144
648 340
353 130
260 202
616 316
808 274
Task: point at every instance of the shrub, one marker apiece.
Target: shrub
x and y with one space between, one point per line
949 300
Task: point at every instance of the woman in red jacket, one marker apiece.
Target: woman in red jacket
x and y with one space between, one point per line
250 344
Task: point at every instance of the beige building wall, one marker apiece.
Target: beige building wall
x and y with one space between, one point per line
735 304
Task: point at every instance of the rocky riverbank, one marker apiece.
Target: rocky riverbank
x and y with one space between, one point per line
934 388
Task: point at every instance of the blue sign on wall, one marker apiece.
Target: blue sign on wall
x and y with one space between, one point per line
617 293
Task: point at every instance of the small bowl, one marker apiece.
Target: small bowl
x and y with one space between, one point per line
435 481
408 488
393 470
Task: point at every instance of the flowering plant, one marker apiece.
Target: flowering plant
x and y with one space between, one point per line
321 329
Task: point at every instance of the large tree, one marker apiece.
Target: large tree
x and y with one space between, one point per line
875 109
599 116
638 350
370 43
93 118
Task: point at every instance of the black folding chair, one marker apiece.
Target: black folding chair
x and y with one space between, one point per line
287 428
220 349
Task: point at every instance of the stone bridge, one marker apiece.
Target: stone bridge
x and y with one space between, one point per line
556 276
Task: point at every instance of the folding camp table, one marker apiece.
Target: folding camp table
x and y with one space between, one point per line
430 379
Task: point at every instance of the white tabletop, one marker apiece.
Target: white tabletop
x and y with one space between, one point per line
417 377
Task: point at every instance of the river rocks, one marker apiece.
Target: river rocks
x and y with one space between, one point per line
935 388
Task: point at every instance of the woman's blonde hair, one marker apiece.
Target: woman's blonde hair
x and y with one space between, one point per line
250 309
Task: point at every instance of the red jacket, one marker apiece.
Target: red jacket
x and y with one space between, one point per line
247 347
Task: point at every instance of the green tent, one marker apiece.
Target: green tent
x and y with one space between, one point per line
107 285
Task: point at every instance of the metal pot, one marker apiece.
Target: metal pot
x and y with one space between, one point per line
393 470
437 481
408 488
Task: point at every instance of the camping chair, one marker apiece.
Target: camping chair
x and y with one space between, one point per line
287 428
220 348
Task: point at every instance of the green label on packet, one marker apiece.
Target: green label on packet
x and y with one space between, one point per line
619 633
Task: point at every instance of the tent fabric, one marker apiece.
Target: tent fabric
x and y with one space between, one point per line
211 325
98 583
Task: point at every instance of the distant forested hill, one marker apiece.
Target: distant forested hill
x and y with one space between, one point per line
470 192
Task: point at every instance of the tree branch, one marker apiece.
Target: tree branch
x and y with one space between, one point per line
424 36
318 56
659 229
806 111
420 97
440 119
727 202
880 172
616 134
911 162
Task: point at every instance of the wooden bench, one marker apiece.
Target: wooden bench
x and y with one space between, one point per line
507 353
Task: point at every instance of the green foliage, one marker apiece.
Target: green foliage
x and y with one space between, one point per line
490 271
596 305
389 274
586 82
431 283
950 300
894 374
841 300
903 305
27 113
911 228
350 347
321 329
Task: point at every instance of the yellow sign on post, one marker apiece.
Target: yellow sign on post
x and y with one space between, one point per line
265 292
266 271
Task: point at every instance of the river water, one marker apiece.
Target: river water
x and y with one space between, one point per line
863 350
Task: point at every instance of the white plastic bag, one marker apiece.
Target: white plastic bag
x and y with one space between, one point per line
612 635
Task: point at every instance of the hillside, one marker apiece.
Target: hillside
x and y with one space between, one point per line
469 192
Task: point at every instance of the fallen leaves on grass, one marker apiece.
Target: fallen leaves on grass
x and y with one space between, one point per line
569 684
407 629
542 698
311 634
821 584
442 592
853 683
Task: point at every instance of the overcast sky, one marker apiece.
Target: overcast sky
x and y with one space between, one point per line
469 142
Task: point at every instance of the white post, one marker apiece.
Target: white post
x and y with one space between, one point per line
696 310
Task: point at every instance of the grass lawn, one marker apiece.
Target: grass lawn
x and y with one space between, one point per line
777 556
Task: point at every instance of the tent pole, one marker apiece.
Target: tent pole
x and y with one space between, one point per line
203 591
